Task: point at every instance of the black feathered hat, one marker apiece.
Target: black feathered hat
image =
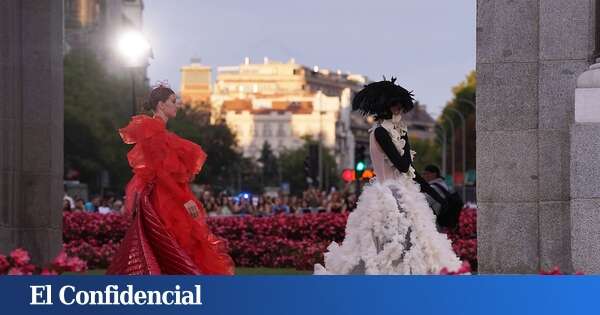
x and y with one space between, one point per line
376 99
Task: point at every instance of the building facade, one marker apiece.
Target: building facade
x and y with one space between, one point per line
196 85
281 103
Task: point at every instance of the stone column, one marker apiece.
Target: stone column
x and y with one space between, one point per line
585 173
31 126
528 60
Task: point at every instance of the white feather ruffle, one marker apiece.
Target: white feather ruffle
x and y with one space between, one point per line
383 239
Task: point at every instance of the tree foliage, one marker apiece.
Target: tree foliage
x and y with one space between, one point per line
218 141
292 166
269 166
428 152
464 101
98 103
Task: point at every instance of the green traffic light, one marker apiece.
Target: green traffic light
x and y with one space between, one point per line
360 166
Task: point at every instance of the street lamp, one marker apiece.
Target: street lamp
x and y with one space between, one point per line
136 50
464 151
468 102
452 149
443 142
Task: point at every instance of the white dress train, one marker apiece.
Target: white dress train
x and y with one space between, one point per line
392 230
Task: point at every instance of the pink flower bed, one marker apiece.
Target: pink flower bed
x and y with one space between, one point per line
277 241
18 263
464 237
93 237
280 241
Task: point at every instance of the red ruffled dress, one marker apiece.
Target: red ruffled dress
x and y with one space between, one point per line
164 238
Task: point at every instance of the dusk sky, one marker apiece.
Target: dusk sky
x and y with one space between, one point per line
428 45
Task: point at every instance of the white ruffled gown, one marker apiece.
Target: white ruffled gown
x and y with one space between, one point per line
392 230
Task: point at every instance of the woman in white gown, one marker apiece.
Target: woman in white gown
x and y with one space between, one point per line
392 230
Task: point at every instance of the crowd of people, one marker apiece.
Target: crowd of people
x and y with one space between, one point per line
222 204
100 204
310 201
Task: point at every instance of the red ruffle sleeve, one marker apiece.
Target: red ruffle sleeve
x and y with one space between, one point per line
160 157
169 162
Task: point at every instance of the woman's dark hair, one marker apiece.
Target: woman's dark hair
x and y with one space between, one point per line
433 169
378 97
158 94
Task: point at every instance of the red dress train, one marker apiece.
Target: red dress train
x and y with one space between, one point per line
164 238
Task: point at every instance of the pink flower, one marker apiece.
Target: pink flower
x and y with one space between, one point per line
48 272
15 272
4 264
61 260
28 269
20 257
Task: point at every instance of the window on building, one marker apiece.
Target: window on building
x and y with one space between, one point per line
257 130
281 131
267 130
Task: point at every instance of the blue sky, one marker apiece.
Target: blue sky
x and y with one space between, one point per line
429 45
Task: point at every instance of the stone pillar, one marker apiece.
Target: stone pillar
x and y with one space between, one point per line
31 126
585 173
528 60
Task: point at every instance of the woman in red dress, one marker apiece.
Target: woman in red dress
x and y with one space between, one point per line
169 234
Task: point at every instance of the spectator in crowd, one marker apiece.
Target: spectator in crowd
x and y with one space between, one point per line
245 207
117 206
104 207
69 200
264 207
89 207
79 205
66 205
94 204
313 198
225 207
350 201
280 207
294 205
335 203
303 207
433 176
211 206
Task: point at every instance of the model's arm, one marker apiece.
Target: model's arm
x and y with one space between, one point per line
404 161
401 162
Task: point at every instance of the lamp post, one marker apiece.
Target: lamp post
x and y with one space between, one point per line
466 101
464 139
473 106
443 143
452 136
321 138
133 96
136 50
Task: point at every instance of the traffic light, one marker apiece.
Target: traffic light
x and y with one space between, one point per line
348 175
311 164
360 163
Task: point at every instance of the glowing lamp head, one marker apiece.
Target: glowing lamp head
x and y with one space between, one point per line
133 46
